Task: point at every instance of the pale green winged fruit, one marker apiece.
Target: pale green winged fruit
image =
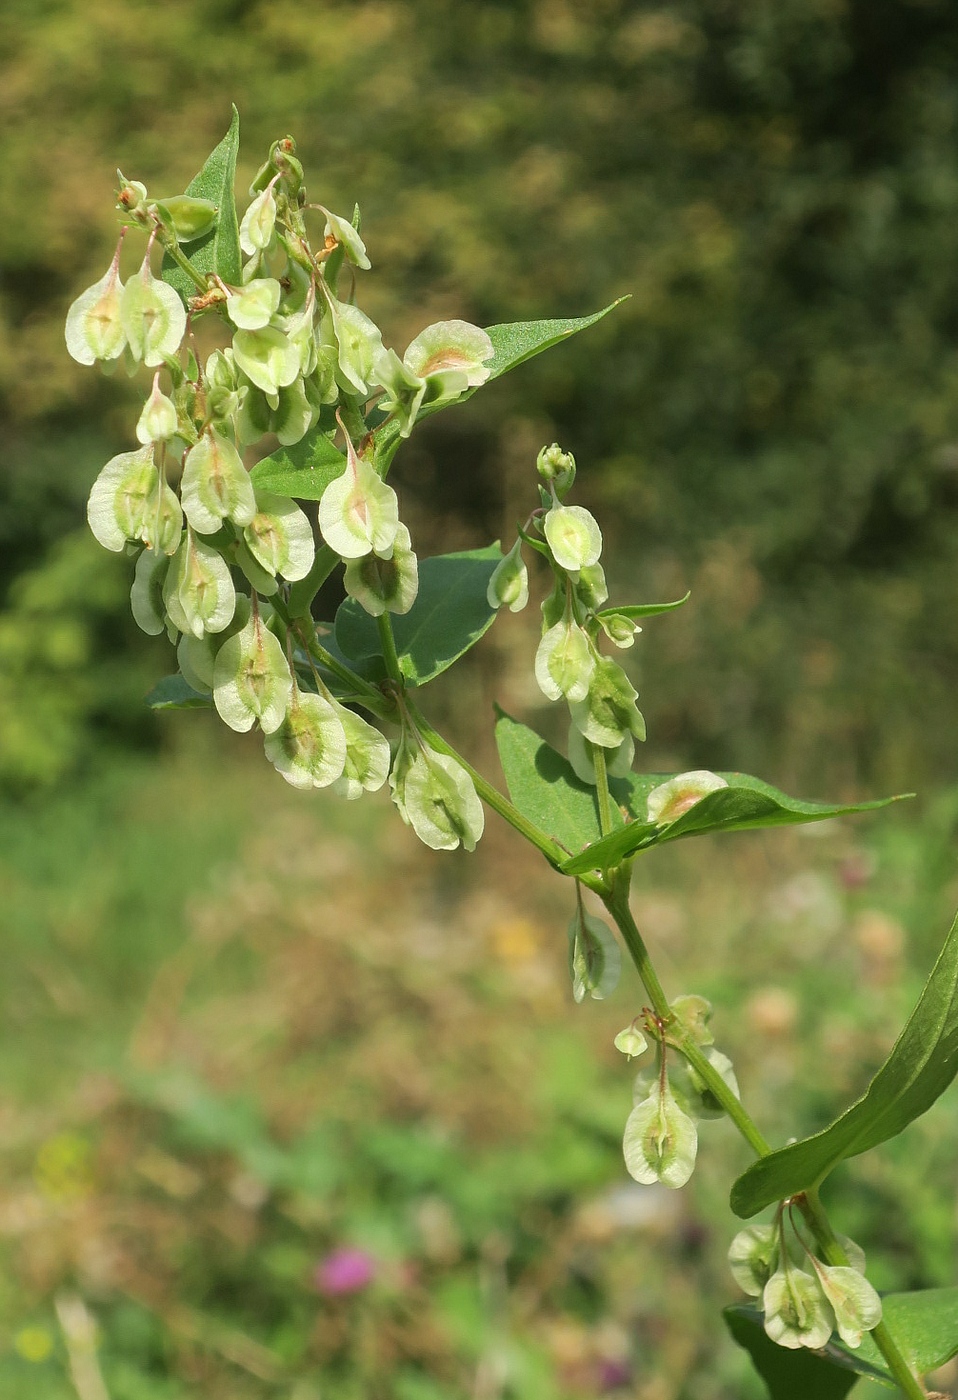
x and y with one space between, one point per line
695 1093
565 662
359 512
153 317
163 521
556 468
120 499
573 536
215 485
619 629
157 422
359 342
290 418
797 1313
197 655
146 595
856 1305
251 307
509 585
259 221
404 390
672 799
753 1256
198 590
631 1042
607 712
385 585
452 354
189 216
94 328
618 762
437 798
367 756
251 680
343 232
309 747
268 358
595 961
660 1141
591 587
280 537
693 1014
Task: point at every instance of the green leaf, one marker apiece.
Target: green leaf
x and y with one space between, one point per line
745 804
634 610
922 1064
450 614
544 787
519 341
796 1375
173 693
924 1324
219 250
303 470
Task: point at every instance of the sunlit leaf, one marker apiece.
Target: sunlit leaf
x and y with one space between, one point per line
217 251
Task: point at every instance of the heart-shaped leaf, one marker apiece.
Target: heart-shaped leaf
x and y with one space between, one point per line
219 250
746 803
173 693
450 614
302 471
922 1063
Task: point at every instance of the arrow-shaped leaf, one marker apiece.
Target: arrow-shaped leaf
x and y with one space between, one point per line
219 250
922 1063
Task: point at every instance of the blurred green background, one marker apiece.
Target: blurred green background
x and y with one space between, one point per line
227 1052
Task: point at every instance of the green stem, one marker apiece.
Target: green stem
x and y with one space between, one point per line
388 642
352 419
602 789
302 593
366 694
171 246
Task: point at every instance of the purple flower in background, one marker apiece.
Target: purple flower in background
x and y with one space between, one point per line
346 1270
613 1373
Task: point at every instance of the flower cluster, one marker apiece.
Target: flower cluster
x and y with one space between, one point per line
804 1299
215 554
669 1096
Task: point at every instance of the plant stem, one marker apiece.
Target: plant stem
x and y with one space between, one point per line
388 642
602 789
302 593
171 246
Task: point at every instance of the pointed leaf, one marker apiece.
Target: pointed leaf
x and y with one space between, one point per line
518 341
303 470
217 251
644 609
922 1063
746 803
173 693
544 787
450 614
924 1324
795 1375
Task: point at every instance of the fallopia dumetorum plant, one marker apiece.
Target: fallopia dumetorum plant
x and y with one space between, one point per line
228 562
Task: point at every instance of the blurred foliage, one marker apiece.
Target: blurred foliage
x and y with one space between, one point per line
771 419
225 1060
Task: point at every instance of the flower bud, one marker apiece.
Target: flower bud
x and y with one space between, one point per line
158 419
660 1141
280 537
215 485
309 747
358 511
267 357
594 958
94 328
573 536
618 762
619 629
607 712
631 1042
556 467
198 589
252 306
856 1305
146 595
120 499
344 233
153 317
131 199
509 585
453 355
797 1313
220 372
753 1256
565 662
259 221
437 798
189 217
367 756
251 680
385 585
673 799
